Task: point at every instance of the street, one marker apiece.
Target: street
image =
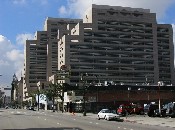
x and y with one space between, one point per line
20 119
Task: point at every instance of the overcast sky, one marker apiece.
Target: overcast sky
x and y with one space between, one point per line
20 19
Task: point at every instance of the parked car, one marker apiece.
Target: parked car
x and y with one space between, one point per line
168 110
14 107
130 109
30 108
107 114
152 110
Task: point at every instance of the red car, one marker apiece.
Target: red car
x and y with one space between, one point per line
130 109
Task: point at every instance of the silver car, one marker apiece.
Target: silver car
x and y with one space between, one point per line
107 114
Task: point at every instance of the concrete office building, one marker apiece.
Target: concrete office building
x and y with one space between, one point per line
35 66
120 45
41 54
56 28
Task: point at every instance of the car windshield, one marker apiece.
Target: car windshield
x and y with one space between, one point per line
110 111
147 106
165 106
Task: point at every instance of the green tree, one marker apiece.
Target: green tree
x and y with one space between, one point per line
54 91
25 103
33 95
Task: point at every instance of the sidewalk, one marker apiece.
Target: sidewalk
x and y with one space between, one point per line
157 121
140 119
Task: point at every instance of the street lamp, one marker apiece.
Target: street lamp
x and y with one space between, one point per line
97 87
159 84
38 94
129 88
84 93
4 101
147 84
98 84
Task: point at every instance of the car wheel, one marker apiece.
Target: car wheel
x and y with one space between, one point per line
149 114
106 118
163 114
98 117
141 112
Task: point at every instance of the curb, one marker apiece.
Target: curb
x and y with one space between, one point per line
130 121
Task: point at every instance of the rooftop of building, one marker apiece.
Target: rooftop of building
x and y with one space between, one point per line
120 8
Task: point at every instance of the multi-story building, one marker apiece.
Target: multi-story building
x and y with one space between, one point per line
41 54
120 45
35 61
165 53
56 28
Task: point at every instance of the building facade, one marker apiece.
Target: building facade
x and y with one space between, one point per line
119 45
41 54
111 45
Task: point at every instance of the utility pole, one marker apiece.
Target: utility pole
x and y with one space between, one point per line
4 100
98 84
159 83
84 92
38 92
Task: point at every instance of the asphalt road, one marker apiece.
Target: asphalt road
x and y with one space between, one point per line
17 119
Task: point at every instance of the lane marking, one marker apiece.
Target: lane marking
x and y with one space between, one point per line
58 124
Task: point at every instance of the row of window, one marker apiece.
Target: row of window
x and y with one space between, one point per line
105 62
124 23
114 67
38 67
122 41
38 58
112 55
127 30
116 36
38 62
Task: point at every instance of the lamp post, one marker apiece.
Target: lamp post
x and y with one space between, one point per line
84 93
147 84
129 88
38 92
98 84
4 101
159 83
